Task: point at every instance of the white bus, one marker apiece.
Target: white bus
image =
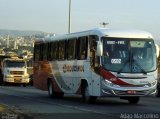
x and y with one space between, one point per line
97 63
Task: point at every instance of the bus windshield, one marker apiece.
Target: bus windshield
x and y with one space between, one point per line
126 55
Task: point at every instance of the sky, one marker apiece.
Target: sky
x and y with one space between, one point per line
52 15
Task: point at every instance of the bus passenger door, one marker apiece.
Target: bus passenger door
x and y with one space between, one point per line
94 66
95 76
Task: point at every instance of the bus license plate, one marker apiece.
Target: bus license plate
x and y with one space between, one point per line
131 92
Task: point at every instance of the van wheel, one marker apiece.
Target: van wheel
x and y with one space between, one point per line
85 95
24 85
133 100
51 92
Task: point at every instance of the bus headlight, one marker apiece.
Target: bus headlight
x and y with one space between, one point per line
150 84
153 83
109 83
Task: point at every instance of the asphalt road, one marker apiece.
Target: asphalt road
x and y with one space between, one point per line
31 103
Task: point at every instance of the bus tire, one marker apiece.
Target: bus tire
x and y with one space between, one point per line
59 95
158 89
133 100
85 95
51 92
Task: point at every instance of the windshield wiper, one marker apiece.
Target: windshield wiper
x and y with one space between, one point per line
123 66
142 69
132 60
135 61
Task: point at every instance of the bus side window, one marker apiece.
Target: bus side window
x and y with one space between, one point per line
41 52
62 50
93 57
92 51
49 55
45 51
54 50
71 49
82 49
37 52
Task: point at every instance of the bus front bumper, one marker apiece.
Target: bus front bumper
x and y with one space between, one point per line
119 91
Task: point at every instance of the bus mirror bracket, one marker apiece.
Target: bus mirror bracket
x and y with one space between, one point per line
157 50
99 48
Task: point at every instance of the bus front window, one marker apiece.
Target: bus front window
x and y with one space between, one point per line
124 55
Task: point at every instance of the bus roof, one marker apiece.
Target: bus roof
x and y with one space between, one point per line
104 32
124 33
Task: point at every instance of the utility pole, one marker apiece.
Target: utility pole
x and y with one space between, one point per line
104 24
8 40
69 22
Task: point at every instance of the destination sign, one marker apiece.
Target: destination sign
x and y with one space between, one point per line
116 42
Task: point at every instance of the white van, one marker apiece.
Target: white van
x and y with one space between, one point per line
14 70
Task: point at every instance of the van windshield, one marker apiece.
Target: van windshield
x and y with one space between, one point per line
14 64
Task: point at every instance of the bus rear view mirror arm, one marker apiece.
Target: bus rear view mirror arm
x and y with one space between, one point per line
157 50
99 48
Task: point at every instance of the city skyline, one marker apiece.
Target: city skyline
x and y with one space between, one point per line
52 15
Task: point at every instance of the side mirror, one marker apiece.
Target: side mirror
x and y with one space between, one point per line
157 50
99 48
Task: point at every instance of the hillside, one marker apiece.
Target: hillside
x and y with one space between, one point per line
15 33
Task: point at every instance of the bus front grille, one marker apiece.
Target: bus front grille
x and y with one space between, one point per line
126 93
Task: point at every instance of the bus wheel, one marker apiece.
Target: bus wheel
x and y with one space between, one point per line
86 97
133 100
59 95
158 90
50 89
1 80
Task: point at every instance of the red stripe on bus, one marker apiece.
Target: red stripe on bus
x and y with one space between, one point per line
111 77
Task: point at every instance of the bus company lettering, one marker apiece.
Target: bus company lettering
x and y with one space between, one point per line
73 68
